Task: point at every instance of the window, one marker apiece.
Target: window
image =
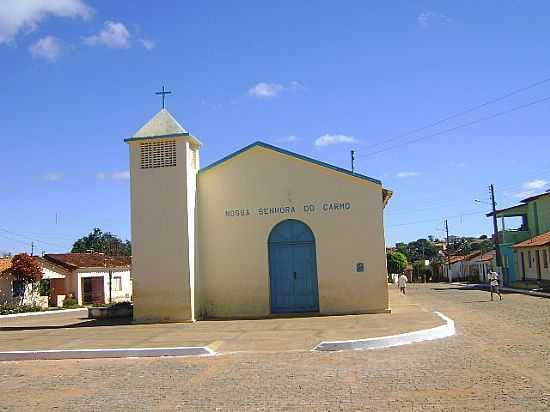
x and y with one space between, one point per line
545 258
529 259
18 287
117 284
158 154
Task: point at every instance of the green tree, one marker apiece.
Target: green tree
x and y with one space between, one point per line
103 242
397 262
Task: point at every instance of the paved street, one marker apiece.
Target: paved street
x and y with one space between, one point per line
499 360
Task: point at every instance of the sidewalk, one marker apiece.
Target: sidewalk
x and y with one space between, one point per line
503 289
75 332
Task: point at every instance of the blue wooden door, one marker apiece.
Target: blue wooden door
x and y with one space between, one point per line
292 268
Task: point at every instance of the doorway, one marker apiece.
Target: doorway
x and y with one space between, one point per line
293 268
93 290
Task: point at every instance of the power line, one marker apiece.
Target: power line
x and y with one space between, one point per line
462 112
437 219
460 126
19 235
13 239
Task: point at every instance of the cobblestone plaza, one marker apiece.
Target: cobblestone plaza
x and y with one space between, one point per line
497 361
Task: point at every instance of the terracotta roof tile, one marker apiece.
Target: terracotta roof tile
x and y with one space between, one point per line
74 261
540 240
487 257
454 259
5 263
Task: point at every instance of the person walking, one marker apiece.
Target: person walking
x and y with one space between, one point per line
402 283
494 278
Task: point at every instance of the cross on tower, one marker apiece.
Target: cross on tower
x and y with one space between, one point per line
163 92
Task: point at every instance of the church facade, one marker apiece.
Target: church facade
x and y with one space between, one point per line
261 232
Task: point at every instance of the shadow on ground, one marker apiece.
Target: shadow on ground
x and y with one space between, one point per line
83 323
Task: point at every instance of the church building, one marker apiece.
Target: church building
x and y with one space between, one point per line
261 232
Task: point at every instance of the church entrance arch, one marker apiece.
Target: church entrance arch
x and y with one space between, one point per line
293 268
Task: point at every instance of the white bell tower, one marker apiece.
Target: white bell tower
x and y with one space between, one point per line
164 160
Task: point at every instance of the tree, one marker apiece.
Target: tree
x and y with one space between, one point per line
397 262
25 268
101 242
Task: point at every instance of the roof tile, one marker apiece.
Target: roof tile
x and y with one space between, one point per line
74 261
540 240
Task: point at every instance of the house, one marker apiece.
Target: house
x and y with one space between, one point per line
84 276
517 224
454 268
480 265
261 231
532 256
87 276
474 266
14 292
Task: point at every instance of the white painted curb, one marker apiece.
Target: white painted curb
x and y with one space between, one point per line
439 332
46 312
105 353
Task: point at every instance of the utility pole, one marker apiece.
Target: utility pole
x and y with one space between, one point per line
448 252
32 248
495 227
353 161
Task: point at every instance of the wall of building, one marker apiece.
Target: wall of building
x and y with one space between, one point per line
160 238
456 271
531 271
6 290
539 216
543 212
30 297
123 295
233 234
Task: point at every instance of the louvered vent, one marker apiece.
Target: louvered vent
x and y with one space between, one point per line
158 154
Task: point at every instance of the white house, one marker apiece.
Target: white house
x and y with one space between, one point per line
14 292
88 277
481 265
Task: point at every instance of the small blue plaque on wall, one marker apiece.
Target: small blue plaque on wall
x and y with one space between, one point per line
360 267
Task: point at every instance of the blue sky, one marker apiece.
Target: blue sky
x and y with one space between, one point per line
315 77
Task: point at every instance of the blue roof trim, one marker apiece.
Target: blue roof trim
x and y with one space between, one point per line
292 154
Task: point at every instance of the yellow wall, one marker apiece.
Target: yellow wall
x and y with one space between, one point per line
233 250
161 236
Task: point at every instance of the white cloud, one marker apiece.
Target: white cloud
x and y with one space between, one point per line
18 15
123 175
287 139
263 90
48 48
532 188
402 175
148 44
54 177
329 139
296 86
535 184
114 35
430 18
